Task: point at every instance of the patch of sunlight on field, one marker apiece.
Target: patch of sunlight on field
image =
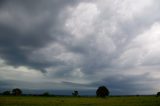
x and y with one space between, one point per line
79 101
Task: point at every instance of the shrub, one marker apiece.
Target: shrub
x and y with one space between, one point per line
6 93
158 94
75 93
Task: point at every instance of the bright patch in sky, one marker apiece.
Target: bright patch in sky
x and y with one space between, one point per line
81 20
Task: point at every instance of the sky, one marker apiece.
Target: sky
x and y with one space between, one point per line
80 45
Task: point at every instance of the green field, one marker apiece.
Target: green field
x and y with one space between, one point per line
79 101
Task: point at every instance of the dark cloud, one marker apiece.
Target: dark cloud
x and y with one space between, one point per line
28 16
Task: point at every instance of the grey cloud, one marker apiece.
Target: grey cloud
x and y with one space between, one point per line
16 45
96 59
28 28
126 31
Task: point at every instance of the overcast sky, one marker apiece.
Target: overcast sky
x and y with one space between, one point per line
80 44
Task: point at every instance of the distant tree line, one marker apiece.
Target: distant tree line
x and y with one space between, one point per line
15 92
18 92
102 91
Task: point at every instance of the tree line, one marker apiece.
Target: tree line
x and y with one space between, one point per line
102 91
15 92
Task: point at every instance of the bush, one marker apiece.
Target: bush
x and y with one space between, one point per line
46 94
75 93
6 93
158 94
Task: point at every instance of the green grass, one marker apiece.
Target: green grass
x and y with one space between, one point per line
79 101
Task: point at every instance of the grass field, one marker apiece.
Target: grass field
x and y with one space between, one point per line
79 101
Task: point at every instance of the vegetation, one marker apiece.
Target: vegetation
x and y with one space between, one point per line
17 92
158 94
6 93
102 91
46 94
46 99
78 101
75 93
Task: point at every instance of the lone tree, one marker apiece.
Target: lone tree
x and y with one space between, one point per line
16 92
102 91
75 93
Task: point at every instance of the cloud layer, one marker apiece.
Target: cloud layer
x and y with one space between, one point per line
56 44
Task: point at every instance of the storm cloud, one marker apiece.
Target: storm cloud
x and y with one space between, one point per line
55 44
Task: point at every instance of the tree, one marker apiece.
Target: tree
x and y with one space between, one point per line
6 93
16 92
75 93
102 91
158 94
46 94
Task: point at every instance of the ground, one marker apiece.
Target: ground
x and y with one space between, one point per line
79 101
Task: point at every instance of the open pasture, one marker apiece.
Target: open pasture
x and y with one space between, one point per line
79 101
